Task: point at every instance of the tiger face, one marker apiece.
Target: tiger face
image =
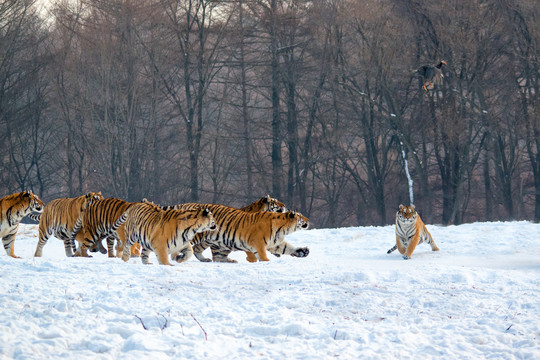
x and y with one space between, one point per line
302 222
273 205
91 198
206 221
406 214
35 204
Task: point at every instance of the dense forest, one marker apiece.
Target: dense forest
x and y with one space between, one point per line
316 103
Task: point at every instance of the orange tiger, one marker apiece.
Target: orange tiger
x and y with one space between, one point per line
266 203
12 210
250 232
166 232
60 218
410 231
99 220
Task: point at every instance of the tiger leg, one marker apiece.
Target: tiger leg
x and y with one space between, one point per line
251 256
145 253
84 238
260 251
43 238
198 251
100 247
183 255
68 247
120 236
82 251
8 241
287 249
412 246
221 254
399 244
162 255
430 241
135 250
125 250
110 247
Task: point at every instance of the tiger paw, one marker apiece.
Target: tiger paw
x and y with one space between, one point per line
405 257
180 258
224 260
301 252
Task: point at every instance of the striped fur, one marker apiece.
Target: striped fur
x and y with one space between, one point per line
410 231
101 219
166 232
250 232
63 219
266 203
13 208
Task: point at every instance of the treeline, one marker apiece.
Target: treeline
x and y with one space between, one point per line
313 102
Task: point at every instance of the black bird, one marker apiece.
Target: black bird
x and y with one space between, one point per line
431 74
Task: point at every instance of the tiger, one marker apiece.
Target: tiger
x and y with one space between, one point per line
61 217
13 208
250 232
410 231
266 203
166 232
99 220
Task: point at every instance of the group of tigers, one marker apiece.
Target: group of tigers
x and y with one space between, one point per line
177 231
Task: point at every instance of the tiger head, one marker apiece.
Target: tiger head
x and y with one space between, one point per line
266 203
272 205
33 201
204 218
406 214
207 221
302 222
91 198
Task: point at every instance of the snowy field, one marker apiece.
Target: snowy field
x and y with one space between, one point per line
478 298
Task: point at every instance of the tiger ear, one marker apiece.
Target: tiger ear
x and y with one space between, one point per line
206 212
401 206
267 199
291 214
413 207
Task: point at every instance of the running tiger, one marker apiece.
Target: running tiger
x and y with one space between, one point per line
61 217
410 231
266 203
166 232
250 232
12 210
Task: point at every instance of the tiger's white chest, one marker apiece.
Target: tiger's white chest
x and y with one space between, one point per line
406 229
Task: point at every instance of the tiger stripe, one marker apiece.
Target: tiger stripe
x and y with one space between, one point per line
165 232
13 208
249 232
63 219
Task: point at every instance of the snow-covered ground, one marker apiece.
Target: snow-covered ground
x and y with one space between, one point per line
479 297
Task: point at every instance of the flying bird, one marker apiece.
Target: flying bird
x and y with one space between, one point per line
431 74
